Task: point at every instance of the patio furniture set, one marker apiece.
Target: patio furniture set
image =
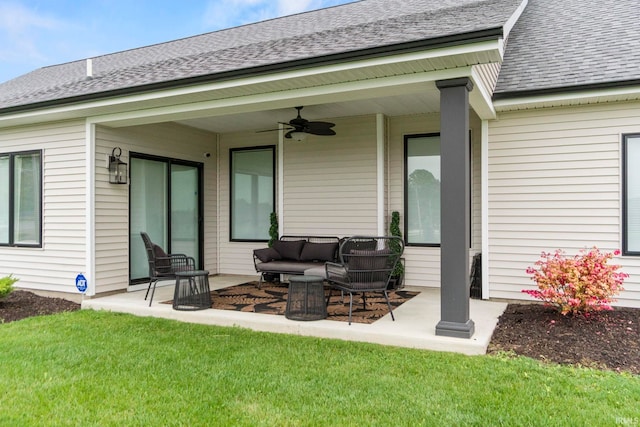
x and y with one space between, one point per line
354 265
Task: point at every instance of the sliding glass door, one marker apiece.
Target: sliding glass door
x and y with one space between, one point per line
166 203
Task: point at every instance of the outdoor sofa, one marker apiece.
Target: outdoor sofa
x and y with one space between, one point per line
295 255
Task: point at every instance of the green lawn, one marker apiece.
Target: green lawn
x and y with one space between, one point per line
98 368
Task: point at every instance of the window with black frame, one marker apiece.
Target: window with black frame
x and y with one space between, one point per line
21 199
422 189
631 194
252 192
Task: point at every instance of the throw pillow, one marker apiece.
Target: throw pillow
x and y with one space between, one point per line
369 260
267 254
358 244
319 252
163 262
289 249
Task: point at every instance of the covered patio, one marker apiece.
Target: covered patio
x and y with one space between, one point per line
414 326
411 84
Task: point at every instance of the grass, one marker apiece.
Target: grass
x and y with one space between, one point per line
99 368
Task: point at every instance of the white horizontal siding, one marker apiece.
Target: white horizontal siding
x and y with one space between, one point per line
555 183
330 185
112 201
62 256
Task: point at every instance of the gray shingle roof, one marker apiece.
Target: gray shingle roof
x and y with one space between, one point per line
319 34
560 44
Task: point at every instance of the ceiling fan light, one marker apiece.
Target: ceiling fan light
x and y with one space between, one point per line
298 136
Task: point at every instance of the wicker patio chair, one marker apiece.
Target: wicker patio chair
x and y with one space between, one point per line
163 266
364 267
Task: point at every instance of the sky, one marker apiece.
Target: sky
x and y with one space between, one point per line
39 33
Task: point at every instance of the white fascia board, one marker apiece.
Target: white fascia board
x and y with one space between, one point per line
491 49
569 98
480 98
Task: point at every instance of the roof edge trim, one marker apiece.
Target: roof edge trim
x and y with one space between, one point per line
564 89
376 52
511 22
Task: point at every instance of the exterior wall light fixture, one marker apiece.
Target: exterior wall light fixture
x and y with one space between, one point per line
117 168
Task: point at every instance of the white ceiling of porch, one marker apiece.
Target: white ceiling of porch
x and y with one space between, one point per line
425 102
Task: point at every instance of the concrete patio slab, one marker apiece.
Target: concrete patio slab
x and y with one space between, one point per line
414 326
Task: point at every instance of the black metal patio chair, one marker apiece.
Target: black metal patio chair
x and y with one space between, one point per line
163 266
366 264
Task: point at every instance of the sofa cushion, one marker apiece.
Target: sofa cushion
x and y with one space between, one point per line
320 271
286 266
319 252
267 254
289 249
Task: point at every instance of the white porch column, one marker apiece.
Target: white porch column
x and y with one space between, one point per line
380 172
484 196
90 211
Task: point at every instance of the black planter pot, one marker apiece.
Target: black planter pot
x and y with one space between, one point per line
396 282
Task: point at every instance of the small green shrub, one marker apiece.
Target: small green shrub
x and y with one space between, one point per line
6 285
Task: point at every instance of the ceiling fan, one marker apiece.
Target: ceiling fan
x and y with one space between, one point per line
299 128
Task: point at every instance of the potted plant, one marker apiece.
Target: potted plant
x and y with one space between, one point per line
273 236
273 228
397 275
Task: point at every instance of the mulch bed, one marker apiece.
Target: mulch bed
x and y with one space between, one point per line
604 340
22 304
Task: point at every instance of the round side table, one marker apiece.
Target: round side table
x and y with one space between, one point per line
192 290
306 300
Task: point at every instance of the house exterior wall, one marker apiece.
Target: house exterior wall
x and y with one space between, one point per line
554 182
112 201
63 254
329 189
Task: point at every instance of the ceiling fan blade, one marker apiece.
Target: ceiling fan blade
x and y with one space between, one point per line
313 125
287 127
321 131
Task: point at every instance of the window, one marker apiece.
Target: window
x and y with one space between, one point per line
252 192
422 189
631 194
20 199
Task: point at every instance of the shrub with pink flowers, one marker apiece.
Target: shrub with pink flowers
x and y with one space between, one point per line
579 284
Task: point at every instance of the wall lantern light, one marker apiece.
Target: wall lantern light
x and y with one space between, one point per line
117 168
